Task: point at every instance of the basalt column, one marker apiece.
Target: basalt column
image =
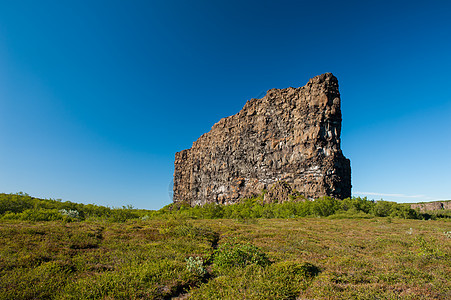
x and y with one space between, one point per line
290 135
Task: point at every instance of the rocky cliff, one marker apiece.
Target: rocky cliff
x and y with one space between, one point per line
290 135
432 206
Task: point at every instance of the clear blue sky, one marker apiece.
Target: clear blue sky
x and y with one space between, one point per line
97 96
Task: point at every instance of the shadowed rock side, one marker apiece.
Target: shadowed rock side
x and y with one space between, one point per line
290 135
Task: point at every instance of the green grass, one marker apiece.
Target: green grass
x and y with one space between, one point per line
302 258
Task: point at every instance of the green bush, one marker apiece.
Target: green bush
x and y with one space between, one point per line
237 255
40 215
285 210
324 206
357 204
15 203
382 208
122 214
181 228
212 211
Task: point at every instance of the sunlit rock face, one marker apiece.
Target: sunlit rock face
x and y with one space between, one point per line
290 135
432 206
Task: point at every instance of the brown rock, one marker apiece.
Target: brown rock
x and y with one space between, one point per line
290 135
280 191
432 206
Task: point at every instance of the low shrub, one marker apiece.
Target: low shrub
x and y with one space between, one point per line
237 255
183 228
196 266
283 280
295 269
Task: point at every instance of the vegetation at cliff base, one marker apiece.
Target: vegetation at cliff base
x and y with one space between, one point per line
197 253
21 206
254 208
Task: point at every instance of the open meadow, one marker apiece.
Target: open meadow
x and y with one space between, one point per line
296 258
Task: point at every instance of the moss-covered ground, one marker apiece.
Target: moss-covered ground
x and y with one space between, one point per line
298 258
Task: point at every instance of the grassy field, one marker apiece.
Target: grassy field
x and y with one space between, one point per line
298 258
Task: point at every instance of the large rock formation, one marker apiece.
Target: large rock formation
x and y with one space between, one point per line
290 135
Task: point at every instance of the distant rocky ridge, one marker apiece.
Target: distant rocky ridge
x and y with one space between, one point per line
432 206
290 136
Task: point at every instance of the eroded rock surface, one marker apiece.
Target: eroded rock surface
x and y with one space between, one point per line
290 135
432 206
